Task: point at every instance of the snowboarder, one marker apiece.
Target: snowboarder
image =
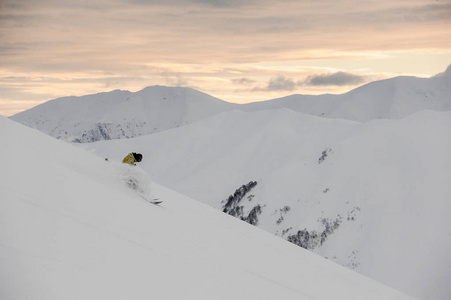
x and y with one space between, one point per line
132 158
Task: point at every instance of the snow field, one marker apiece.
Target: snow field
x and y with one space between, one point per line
385 181
71 229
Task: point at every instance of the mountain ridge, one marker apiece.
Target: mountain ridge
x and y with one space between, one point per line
392 98
122 114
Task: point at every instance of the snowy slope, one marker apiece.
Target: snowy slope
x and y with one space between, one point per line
70 228
393 98
378 192
120 114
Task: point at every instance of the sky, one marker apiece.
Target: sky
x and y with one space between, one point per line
237 50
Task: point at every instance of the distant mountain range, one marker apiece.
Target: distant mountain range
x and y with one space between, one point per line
122 114
393 98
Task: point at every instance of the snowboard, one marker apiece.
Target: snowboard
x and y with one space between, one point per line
155 201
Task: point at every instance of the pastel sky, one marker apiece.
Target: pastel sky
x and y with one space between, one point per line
237 50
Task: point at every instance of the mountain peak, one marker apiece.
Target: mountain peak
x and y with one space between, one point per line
161 87
447 72
121 114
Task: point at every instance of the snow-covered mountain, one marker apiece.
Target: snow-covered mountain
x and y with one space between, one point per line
121 114
71 228
360 178
371 196
386 99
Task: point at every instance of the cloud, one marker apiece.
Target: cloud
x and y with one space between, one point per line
174 78
278 83
333 79
282 83
225 3
212 3
243 81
